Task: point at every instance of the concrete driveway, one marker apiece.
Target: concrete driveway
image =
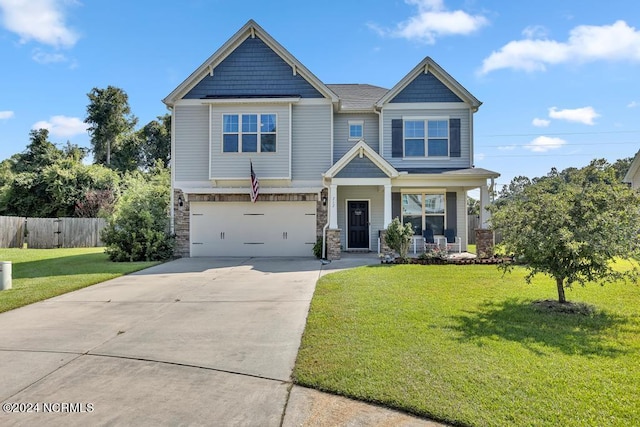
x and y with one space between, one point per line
196 341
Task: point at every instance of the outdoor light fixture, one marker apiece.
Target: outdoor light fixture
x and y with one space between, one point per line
324 200
180 201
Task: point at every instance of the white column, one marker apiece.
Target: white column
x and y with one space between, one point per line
484 202
333 206
387 205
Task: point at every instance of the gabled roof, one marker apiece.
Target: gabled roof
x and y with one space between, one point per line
428 65
250 29
633 169
361 149
357 97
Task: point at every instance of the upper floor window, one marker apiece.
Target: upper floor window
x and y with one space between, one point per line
249 133
356 130
426 138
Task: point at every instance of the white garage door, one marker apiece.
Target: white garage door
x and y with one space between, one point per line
252 229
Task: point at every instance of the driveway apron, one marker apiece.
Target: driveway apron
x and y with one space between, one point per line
197 341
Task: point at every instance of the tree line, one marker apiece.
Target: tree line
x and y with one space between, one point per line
50 181
128 182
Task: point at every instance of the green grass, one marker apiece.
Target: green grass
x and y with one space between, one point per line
39 274
464 345
471 249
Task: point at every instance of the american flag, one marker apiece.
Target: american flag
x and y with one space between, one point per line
255 184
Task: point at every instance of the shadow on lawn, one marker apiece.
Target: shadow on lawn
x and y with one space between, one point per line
519 321
91 263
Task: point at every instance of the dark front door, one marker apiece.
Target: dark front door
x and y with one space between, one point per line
358 225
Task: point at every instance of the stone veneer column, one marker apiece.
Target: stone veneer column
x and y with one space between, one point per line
181 225
322 213
384 248
333 244
484 243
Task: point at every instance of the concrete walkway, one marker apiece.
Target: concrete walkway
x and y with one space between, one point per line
191 342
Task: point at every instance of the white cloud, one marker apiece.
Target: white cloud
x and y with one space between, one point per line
433 20
583 115
535 31
586 43
62 126
507 147
633 104
39 20
47 58
479 156
6 115
545 143
541 123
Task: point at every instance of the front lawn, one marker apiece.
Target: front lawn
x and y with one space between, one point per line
465 345
39 274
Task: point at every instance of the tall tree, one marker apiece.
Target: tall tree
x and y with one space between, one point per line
571 225
110 119
155 139
40 152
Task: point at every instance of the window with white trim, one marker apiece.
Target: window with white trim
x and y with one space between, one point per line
426 137
356 130
249 133
424 211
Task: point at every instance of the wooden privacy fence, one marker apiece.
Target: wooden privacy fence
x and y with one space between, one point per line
48 233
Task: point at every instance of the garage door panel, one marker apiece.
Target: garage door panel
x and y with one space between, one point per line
252 229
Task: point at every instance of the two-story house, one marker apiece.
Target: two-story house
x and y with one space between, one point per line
336 161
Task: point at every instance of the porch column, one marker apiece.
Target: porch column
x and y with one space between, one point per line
387 205
484 202
333 206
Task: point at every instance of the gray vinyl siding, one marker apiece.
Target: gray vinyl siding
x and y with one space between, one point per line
311 150
341 143
426 88
452 162
376 211
253 69
236 165
191 157
361 168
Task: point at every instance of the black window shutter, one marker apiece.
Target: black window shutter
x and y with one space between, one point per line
396 138
396 205
454 138
452 212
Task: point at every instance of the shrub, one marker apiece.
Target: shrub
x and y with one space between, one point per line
398 237
317 248
434 253
139 228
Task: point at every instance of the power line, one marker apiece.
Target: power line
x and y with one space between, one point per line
545 155
558 133
562 145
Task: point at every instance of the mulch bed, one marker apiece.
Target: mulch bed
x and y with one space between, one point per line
456 261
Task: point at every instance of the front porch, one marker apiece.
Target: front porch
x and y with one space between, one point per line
365 192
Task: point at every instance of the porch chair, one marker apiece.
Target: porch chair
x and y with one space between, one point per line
453 242
429 239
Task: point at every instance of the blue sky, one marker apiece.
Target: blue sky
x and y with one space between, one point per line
559 81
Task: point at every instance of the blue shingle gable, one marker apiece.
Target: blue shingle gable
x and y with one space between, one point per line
426 88
253 70
361 168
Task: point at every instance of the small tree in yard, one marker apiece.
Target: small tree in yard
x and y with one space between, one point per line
399 236
138 229
572 225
